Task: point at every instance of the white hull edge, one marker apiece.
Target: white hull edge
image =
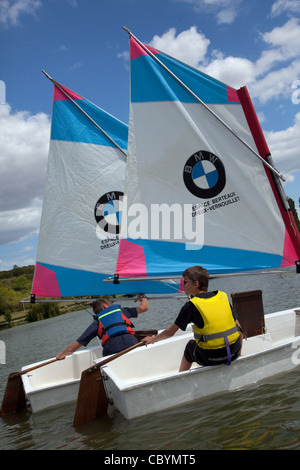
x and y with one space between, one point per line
262 357
136 389
57 383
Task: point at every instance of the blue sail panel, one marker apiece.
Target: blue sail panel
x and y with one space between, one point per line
82 128
159 258
58 281
159 85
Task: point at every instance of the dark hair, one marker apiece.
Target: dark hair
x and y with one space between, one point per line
197 273
98 305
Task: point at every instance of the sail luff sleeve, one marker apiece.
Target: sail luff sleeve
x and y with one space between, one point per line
264 151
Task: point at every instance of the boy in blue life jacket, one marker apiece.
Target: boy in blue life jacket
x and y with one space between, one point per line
217 336
112 325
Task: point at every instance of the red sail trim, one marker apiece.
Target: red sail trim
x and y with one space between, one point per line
136 50
264 151
59 95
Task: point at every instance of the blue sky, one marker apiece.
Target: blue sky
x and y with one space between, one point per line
82 44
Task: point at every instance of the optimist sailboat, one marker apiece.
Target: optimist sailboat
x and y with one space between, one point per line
194 141
195 151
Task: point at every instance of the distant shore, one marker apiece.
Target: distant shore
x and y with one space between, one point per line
19 317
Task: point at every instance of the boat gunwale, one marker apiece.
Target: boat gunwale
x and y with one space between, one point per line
195 370
29 389
121 384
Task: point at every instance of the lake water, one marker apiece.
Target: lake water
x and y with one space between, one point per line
262 416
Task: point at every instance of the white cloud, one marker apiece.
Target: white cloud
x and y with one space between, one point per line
279 65
285 37
277 83
24 143
282 6
11 10
285 146
75 66
235 71
225 11
19 257
19 224
269 77
190 46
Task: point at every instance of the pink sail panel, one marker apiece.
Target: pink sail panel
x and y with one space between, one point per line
137 51
232 95
59 95
289 253
45 283
131 260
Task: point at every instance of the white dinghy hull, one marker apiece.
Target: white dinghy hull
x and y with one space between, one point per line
57 383
147 380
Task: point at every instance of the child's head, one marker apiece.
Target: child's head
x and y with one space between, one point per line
197 273
101 304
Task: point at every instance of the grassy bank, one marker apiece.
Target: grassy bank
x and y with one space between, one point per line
15 286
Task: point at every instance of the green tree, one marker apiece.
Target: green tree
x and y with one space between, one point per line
7 301
21 283
295 213
41 311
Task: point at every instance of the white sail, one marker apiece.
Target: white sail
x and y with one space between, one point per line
81 217
191 146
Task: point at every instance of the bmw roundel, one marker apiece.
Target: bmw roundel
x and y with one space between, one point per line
108 212
204 174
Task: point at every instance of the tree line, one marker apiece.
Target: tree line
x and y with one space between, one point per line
15 285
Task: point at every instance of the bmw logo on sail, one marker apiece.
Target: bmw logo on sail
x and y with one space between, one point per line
204 174
108 212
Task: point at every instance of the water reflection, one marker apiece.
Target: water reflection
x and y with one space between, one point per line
264 416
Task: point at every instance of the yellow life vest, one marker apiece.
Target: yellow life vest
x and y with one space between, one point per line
218 322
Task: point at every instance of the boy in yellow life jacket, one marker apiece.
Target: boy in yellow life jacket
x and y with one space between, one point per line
217 339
